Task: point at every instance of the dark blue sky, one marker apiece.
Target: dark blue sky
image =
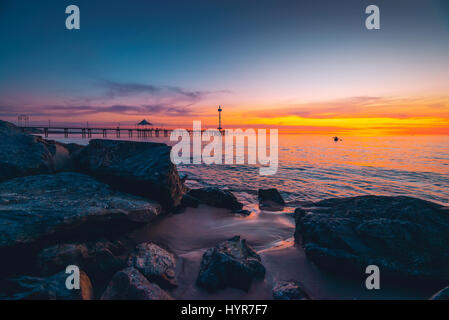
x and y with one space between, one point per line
193 53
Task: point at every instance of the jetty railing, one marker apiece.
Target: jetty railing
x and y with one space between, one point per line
86 132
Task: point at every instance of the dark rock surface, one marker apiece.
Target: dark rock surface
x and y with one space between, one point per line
289 290
270 199
441 295
216 197
140 168
52 208
403 236
299 213
22 154
49 288
130 284
72 147
56 258
242 212
104 260
155 263
183 177
101 259
231 263
189 201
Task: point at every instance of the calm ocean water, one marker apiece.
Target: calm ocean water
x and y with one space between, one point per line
315 167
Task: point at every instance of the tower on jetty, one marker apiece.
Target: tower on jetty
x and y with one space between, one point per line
219 118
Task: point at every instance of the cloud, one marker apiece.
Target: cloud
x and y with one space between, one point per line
172 111
360 107
120 89
82 110
118 98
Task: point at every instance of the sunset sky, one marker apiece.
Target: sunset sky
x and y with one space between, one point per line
304 66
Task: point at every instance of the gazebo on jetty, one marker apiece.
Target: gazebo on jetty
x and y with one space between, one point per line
144 128
144 123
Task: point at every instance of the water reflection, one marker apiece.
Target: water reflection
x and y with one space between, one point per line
315 167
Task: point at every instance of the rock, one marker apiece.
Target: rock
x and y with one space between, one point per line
139 168
62 155
271 200
104 260
189 201
242 212
183 177
58 257
405 237
231 263
99 259
289 290
155 263
22 154
50 288
46 209
299 213
441 295
130 284
73 147
216 197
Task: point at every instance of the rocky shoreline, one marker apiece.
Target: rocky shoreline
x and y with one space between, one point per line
66 204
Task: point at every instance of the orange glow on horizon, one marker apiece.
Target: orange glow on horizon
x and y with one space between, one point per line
365 116
364 126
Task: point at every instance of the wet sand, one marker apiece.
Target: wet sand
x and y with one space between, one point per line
191 233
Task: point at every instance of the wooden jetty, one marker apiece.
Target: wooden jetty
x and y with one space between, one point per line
87 132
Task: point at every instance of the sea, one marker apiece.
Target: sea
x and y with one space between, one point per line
315 167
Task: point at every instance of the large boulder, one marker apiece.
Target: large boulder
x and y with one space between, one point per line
403 236
49 288
189 201
46 209
140 168
231 263
22 154
100 259
216 197
155 263
130 284
104 259
270 199
289 290
58 257
72 148
441 295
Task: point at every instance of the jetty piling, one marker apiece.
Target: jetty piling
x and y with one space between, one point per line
86 132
